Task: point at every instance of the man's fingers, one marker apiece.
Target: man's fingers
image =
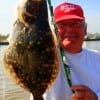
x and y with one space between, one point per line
78 93
78 88
82 92
78 96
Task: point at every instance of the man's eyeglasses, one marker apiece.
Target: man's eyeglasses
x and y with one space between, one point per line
72 24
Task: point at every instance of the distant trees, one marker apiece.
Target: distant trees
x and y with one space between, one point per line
3 37
92 36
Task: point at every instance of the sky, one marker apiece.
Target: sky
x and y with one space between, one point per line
91 10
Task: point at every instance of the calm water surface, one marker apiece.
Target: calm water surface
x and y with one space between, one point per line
10 91
92 45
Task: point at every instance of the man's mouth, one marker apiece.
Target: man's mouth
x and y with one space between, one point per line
70 37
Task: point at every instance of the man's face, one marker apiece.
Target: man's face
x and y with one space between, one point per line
72 34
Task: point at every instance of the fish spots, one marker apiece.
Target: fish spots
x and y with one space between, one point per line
31 58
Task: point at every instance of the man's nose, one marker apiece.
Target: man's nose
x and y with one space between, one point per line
68 28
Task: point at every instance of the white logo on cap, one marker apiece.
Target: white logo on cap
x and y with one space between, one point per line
67 8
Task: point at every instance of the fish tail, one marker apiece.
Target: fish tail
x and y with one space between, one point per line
40 97
31 10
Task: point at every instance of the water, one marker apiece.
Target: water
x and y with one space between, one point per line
10 91
95 45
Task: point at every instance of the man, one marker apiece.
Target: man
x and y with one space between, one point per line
70 21
84 64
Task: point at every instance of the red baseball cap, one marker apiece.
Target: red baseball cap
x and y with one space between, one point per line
67 10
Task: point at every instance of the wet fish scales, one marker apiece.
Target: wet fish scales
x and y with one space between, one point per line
31 58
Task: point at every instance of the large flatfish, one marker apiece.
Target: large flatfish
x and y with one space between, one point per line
31 58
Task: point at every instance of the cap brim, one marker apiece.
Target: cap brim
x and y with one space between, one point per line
69 17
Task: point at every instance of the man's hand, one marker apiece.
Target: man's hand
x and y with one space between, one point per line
83 93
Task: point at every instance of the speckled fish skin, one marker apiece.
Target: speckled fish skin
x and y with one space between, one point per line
31 58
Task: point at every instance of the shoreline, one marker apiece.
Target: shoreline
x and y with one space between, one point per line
91 39
4 43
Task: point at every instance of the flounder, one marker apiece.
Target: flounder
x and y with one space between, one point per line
31 58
